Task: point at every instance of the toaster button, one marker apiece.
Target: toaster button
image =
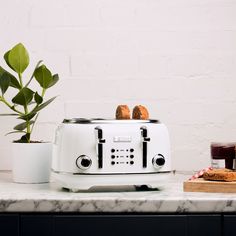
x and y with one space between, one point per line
158 161
83 162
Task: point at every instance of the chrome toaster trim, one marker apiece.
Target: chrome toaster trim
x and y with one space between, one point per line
106 121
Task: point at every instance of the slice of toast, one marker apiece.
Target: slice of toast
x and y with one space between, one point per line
140 112
122 112
220 175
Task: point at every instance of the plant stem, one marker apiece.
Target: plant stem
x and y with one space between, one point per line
26 112
43 92
10 106
20 78
27 124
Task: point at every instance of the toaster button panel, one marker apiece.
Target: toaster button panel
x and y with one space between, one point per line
124 156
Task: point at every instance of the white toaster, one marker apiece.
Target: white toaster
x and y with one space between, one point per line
101 152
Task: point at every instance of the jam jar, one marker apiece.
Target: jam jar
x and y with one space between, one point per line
223 155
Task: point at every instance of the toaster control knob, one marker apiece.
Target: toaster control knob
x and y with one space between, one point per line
83 162
158 161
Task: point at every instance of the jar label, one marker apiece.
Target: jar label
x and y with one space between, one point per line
218 164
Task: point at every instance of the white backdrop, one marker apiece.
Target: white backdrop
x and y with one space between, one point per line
176 57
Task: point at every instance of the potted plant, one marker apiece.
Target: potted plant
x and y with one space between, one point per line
31 159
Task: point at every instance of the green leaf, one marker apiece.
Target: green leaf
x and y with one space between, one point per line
29 116
38 99
2 70
40 107
55 78
4 82
32 76
18 58
44 76
23 125
6 59
24 97
15 132
9 114
14 82
25 138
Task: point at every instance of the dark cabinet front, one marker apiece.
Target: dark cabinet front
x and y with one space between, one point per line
9 225
229 225
204 225
36 225
23 224
124 225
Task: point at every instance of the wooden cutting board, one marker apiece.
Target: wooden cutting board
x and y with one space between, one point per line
201 185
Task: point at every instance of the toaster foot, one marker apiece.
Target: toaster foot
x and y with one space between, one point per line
141 182
146 188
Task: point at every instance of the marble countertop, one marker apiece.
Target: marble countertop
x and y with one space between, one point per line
169 199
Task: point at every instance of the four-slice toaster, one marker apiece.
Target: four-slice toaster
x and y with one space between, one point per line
102 152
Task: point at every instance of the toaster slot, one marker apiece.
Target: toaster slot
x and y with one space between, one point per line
100 146
145 139
144 154
100 155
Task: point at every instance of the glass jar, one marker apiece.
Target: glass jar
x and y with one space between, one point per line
223 155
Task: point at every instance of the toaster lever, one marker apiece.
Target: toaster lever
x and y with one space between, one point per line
99 132
145 140
100 155
100 146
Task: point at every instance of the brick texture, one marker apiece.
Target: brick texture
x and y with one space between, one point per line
176 57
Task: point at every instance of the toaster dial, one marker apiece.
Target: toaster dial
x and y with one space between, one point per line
83 162
158 161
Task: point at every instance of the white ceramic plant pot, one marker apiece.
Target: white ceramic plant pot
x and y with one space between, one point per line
31 162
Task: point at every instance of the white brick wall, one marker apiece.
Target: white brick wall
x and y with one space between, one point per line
176 57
